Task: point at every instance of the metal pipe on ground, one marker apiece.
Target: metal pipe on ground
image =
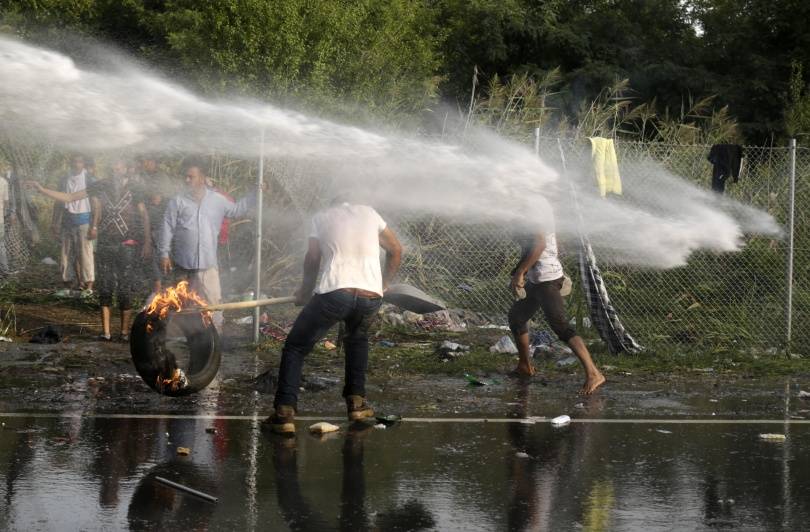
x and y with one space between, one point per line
181 487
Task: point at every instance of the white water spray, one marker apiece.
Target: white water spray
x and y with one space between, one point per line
45 94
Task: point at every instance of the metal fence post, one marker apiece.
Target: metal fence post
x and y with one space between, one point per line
537 141
791 221
257 312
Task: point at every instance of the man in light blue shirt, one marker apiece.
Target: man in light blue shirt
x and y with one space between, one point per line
188 240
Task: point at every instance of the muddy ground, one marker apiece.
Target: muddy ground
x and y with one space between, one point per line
406 374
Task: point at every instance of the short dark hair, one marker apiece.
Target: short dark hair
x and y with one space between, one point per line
196 161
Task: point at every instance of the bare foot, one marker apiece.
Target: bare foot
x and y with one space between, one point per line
592 383
525 369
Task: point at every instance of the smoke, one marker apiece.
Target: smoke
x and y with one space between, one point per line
659 222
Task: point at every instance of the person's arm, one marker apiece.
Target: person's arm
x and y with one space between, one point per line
147 230
539 244
238 209
167 234
393 255
95 218
312 263
64 197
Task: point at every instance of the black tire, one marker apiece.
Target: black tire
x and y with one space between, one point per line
151 358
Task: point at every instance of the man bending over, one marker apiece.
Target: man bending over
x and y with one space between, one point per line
343 255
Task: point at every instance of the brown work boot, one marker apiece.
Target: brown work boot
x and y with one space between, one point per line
282 420
358 408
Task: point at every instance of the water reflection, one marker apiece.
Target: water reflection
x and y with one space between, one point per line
98 473
302 514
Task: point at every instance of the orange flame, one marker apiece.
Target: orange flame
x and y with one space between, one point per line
176 298
176 382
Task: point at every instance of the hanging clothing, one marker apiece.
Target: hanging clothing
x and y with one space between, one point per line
727 160
605 166
603 315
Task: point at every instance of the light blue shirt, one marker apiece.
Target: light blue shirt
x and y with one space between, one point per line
191 230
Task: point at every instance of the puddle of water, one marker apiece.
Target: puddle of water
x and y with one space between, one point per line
97 473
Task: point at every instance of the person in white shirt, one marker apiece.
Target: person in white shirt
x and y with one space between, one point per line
536 282
72 222
342 267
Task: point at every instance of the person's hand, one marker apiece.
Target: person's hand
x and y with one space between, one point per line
29 184
165 265
517 283
92 233
147 251
301 297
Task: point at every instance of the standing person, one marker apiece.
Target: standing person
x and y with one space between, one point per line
191 224
156 188
71 221
124 237
540 274
344 254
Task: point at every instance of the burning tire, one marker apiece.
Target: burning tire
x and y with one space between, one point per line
157 364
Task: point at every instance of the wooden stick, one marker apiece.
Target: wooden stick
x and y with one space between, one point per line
241 304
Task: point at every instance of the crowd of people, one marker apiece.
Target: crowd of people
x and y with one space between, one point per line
116 228
135 225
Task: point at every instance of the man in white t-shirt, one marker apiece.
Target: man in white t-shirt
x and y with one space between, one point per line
342 268
536 282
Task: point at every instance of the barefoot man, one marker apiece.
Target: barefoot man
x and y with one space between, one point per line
538 279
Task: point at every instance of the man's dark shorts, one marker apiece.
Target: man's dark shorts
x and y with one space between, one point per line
545 295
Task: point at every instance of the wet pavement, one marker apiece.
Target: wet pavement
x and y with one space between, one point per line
98 473
83 440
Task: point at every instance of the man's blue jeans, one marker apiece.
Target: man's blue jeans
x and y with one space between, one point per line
318 316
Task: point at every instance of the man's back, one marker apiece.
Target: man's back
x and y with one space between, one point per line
350 250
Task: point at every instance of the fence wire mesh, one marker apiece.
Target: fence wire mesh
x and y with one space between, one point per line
716 302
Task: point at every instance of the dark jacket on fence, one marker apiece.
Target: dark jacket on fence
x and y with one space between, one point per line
727 159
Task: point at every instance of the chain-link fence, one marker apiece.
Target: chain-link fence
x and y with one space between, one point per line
717 301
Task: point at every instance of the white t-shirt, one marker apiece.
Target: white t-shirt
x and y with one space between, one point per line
349 237
548 267
76 183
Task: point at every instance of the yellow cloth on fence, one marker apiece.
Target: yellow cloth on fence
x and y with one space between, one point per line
605 165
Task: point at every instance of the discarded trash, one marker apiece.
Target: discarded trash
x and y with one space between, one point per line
493 326
329 346
49 261
663 431
451 350
504 345
389 420
772 437
183 451
521 454
181 487
580 406
386 343
567 361
323 427
48 335
266 382
561 421
211 430
465 287
247 320
804 395
5 339
472 379
380 426
317 383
